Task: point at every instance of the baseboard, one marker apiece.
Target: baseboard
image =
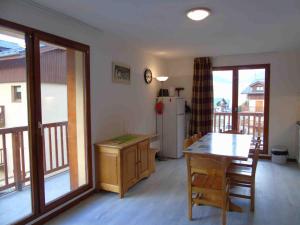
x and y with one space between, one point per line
269 157
265 156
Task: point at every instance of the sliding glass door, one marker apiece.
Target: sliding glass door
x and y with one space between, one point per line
45 150
241 100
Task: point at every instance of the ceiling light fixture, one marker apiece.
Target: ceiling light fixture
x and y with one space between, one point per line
198 14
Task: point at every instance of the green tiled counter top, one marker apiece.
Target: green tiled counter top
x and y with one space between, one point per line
124 141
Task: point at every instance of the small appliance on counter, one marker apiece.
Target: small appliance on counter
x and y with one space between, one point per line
163 92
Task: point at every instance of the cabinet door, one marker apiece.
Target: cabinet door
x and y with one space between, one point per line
130 172
107 172
143 162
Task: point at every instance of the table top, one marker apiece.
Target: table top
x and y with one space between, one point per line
235 146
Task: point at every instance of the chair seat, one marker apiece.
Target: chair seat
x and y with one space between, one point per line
240 170
247 163
240 174
207 182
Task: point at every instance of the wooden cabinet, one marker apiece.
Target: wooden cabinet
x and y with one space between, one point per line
121 165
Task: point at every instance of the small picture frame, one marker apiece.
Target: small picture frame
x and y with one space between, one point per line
121 73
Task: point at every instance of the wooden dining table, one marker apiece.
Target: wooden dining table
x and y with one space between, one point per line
233 146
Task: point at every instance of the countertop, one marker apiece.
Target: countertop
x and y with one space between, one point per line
124 141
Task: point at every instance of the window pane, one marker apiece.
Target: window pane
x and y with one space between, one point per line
222 83
63 119
251 100
15 183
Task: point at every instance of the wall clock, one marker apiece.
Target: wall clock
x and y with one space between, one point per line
148 76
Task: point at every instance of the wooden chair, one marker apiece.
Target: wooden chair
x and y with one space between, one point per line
244 176
187 142
207 182
197 136
249 162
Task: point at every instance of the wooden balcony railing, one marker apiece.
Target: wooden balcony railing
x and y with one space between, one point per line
14 153
248 123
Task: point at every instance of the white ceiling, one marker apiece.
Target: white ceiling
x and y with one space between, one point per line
161 27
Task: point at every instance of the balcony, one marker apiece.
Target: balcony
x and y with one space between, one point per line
15 188
251 123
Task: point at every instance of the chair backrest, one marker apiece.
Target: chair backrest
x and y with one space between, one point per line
187 142
255 158
194 137
232 132
207 165
199 135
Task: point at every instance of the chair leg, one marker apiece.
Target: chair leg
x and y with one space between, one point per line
225 208
190 204
252 197
224 214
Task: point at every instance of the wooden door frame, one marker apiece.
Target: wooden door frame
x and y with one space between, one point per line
235 81
32 37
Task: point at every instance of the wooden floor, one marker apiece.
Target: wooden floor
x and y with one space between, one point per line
161 199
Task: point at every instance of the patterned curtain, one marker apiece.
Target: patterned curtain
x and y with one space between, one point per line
202 100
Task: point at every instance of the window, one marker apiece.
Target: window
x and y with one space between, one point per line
260 88
16 93
241 100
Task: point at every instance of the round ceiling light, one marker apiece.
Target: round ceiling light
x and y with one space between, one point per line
198 14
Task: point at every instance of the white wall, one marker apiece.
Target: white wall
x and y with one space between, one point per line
284 91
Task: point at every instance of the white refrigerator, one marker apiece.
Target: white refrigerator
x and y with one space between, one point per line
171 126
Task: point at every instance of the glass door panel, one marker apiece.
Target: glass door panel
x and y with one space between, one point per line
63 119
15 165
251 101
223 100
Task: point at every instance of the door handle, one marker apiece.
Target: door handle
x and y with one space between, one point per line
40 126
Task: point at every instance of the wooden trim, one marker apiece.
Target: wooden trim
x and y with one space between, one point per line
267 107
87 98
235 92
265 156
72 119
45 36
267 68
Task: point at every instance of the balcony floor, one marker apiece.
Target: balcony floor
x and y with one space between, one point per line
17 204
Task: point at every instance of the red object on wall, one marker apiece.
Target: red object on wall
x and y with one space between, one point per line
159 107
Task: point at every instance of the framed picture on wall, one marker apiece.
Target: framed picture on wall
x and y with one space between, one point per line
120 73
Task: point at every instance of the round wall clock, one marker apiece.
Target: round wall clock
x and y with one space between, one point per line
148 76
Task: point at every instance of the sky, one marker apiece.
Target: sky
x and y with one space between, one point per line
223 83
18 41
